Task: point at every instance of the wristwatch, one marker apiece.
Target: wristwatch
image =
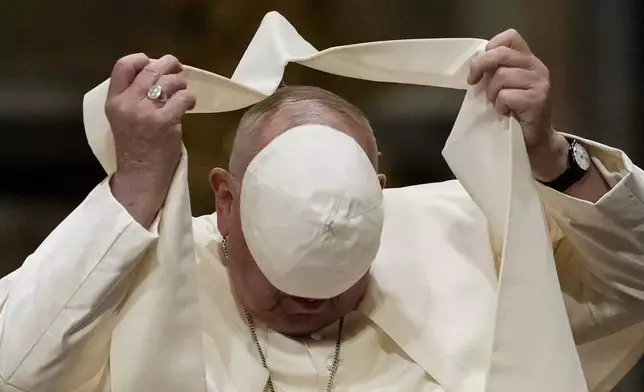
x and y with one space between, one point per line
578 165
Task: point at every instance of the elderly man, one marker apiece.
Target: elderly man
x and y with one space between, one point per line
262 330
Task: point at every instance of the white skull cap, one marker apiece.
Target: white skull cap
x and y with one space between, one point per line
311 211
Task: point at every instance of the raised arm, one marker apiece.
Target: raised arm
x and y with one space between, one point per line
599 246
58 310
596 208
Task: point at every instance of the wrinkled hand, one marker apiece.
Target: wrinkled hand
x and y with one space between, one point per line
147 133
519 85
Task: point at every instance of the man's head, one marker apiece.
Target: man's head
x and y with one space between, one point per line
289 107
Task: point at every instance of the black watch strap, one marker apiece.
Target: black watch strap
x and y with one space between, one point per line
572 175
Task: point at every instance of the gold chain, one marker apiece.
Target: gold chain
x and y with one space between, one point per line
336 354
253 333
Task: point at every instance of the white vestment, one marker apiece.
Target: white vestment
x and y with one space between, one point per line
431 231
464 281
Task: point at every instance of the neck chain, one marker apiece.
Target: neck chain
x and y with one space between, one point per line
253 333
336 354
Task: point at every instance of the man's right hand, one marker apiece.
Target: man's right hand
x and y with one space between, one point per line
147 133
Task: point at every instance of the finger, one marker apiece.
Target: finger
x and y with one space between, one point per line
495 58
511 39
172 83
510 78
178 105
512 100
125 71
167 64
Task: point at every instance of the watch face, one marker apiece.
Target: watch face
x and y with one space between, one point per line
581 156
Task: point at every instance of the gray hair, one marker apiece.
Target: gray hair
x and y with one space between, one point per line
305 105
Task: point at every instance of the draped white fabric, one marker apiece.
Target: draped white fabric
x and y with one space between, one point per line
485 151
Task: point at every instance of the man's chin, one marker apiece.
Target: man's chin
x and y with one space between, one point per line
302 325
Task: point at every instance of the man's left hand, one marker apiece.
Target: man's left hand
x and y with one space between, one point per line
519 85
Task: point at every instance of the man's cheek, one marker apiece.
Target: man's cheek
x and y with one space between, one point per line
260 289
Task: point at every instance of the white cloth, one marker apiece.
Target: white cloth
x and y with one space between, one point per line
434 290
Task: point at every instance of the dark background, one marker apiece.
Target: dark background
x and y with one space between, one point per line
52 52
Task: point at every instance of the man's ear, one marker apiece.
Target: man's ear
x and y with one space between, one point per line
223 188
383 180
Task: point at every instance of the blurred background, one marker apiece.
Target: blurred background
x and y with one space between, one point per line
55 51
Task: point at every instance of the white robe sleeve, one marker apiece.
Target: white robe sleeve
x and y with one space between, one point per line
599 248
59 307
